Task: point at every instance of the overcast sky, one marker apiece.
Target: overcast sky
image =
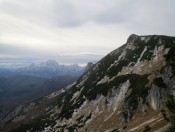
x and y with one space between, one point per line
47 28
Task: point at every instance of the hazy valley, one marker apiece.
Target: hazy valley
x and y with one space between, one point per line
26 84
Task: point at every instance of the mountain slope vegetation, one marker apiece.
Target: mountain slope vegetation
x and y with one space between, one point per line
127 90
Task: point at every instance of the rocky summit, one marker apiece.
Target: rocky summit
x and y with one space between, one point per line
126 90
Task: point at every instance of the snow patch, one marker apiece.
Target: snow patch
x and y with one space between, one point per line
75 95
143 38
141 55
106 79
69 86
103 80
158 51
112 64
122 56
147 39
118 95
160 41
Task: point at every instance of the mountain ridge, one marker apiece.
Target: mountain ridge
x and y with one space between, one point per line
125 91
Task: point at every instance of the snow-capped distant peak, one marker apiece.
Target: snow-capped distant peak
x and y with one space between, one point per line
50 68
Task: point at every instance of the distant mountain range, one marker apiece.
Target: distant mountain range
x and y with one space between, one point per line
31 82
46 69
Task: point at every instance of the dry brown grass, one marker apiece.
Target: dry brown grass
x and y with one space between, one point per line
152 118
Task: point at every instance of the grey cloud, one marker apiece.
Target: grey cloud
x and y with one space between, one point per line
66 13
113 13
122 12
125 16
69 13
138 16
